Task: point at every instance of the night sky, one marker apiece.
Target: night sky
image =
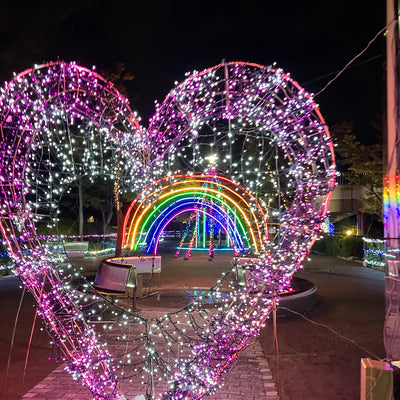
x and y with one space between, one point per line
160 42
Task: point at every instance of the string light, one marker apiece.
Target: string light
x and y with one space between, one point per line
375 252
59 122
183 190
272 161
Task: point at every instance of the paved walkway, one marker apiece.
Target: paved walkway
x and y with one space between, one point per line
249 379
314 363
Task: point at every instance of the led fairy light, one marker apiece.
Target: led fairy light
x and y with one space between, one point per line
61 121
375 253
209 211
195 195
279 146
386 196
234 196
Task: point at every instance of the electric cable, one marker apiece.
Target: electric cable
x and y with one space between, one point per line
355 57
336 72
13 335
332 331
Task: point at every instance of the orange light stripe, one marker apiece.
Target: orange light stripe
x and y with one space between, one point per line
196 178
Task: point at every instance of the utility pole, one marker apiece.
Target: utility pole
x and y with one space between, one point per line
391 207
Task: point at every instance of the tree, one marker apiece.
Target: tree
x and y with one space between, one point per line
79 185
25 34
364 162
99 196
118 75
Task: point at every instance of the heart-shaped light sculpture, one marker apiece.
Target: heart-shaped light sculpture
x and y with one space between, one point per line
239 122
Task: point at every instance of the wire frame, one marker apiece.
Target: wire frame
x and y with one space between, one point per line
250 123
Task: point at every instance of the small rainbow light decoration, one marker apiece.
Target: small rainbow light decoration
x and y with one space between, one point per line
242 216
386 200
240 143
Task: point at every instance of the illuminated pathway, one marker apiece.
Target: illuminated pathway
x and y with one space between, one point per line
249 123
251 379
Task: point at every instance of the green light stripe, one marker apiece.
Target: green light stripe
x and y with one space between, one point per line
196 195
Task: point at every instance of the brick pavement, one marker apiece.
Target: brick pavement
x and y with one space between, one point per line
249 379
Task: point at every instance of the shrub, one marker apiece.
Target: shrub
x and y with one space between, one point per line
340 246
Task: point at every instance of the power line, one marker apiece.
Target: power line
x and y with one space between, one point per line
357 56
335 72
331 330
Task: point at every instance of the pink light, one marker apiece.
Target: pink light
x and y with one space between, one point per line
66 88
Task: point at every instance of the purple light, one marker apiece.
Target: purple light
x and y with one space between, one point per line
162 225
60 121
188 206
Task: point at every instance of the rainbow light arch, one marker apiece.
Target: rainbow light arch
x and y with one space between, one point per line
232 235
170 196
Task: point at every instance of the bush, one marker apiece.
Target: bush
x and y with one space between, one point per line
5 272
340 246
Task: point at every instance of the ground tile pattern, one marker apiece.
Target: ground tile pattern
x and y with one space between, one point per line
249 379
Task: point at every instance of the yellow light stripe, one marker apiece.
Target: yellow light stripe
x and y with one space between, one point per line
195 180
192 195
200 189
242 199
